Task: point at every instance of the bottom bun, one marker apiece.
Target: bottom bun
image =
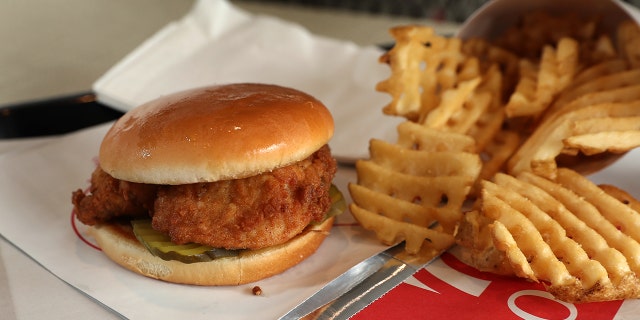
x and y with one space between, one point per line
120 245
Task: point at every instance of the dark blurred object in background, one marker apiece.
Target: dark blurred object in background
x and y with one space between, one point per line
450 10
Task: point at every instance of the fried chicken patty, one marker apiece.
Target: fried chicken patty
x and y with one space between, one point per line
109 198
249 213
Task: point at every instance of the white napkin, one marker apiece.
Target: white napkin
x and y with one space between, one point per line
219 43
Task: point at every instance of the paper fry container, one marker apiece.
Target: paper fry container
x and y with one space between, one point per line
496 16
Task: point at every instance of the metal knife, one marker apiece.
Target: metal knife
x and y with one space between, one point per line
362 284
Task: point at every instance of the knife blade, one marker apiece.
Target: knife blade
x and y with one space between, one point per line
389 276
343 283
362 284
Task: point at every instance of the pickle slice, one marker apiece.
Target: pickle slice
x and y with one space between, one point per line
338 204
160 245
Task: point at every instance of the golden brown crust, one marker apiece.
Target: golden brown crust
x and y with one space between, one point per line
192 136
627 288
119 244
250 213
476 247
110 198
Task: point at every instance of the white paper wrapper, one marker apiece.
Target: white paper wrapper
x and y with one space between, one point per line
35 201
217 43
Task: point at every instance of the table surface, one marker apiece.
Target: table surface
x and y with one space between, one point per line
57 48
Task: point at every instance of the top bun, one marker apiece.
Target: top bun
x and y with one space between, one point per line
215 133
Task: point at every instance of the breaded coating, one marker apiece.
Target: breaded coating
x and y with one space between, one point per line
249 213
109 198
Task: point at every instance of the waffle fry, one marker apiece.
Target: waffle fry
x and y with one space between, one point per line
424 164
551 93
497 152
539 84
452 102
561 235
585 224
600 50
526 89
594 136
621 195
476 246
442 195
539 151
629 42
593 71
414 136
599 89
406 187
503 62
623 217
390 231
418 55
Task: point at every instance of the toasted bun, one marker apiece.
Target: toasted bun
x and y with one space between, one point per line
193 136
120 245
